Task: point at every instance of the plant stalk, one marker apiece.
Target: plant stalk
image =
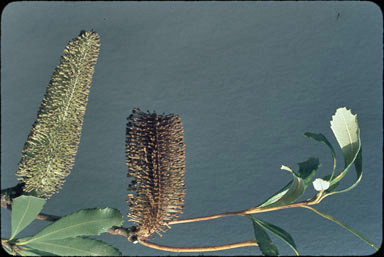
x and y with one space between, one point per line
198 249
242 213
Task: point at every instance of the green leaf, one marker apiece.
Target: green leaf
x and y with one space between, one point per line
34 252
287 196
321 138
81 223
24 211
307 170
282 234
266 246
359 171
363 238
331 187
294 189
346 130
277 196
77 246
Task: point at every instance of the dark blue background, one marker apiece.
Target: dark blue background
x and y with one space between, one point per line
247 78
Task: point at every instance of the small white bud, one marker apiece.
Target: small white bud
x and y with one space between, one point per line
320 184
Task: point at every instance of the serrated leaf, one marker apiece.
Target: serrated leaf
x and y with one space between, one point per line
85 222
296 188
346 130
266 246
281 233
24 211
77 246
321 138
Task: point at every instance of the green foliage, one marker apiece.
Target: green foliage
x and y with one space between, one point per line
266 246
34 252
24 211
359 171
296 187
321 138
49 152
62 237
360 236
281 233
77 246
346 130
86 222
345 127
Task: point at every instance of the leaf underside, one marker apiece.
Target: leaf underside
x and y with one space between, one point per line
345 127
24 211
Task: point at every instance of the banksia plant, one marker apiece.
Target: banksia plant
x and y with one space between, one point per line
155 152
49 152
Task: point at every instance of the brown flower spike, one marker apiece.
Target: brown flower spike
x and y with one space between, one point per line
155 153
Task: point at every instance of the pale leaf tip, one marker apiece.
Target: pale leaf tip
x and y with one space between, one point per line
320 184
283 167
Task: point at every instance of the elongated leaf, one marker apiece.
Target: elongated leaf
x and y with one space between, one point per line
77 246
266 246
321 138
49 152
82 223
34 252
331 187
24 211
359 171
363 238
293 190
346 130
277 196
282 234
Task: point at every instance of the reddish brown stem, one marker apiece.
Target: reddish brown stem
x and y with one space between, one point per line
198 249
